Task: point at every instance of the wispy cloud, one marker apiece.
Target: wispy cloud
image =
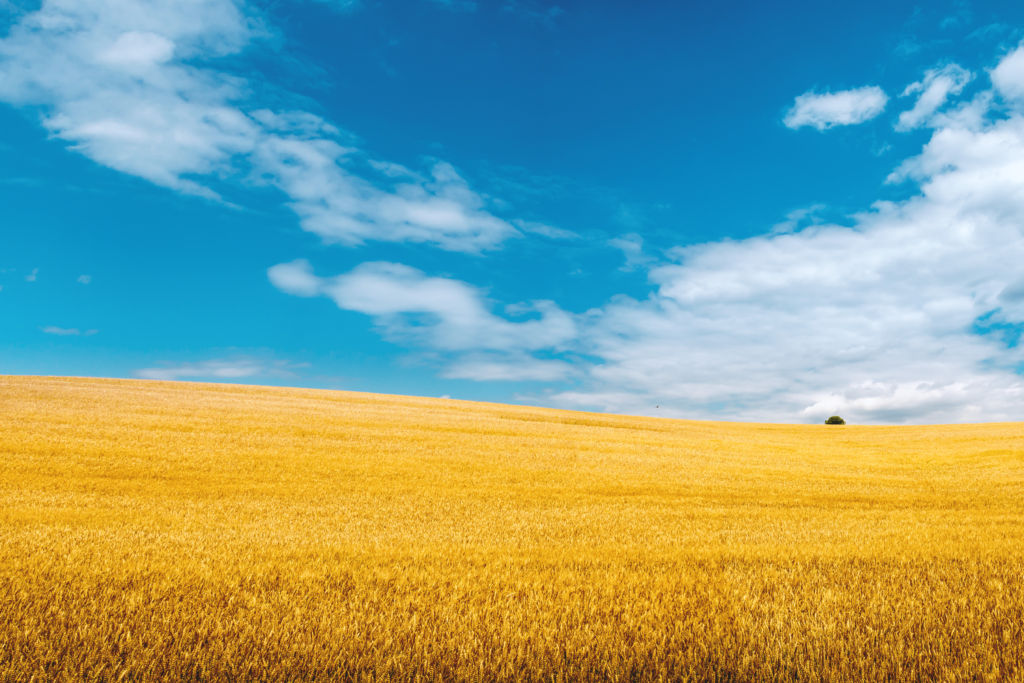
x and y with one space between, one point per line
830 109
31 277
440 314
84 279
545 230
632 247
133 86
798 219
219 369
937 86
67 331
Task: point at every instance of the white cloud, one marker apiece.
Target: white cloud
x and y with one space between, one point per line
878 322
443 315
934 89
217 369
1008 76
67 331
843 108
545 230
295 278
632 247
31 277
84 279
439 208
798 218
133 86
139 50
100 71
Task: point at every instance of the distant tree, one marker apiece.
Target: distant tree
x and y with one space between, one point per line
835 420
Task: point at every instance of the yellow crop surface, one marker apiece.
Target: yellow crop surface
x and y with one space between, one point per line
155 530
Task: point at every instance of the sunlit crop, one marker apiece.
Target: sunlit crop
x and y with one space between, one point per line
164 531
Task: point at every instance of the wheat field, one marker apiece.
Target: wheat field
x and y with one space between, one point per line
168 531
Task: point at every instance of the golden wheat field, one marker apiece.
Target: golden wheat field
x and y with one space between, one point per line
155 530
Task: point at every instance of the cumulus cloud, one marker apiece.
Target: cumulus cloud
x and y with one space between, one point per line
443 315
843 108
933 90
296 278
910 314
135 86
1008 76
104 76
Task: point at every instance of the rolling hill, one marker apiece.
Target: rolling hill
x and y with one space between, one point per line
174 530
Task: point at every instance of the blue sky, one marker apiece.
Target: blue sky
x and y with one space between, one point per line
751 211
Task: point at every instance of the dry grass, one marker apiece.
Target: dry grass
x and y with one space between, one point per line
166 531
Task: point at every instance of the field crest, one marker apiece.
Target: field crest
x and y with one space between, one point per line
169 530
